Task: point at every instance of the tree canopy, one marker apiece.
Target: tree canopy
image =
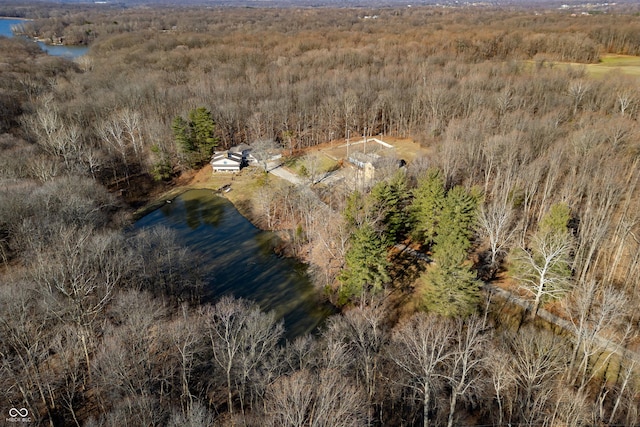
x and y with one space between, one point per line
543 267
449 219
366 264
195 136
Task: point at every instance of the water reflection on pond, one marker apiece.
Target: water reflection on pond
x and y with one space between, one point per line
239 259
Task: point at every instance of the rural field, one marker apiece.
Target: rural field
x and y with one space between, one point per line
629 65
610 65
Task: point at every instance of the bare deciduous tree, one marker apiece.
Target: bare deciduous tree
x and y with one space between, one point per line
466 368
57 134
263 150
421 347
543 268
503 381
186 335
25 331
362 330
324 399
497 224
538 360
198 415
289 399
72 373
241 338
594 310
300 354
626 102
131 366
577 91
626 395
79 277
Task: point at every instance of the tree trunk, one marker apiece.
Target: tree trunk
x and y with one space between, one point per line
536 301
452 408
229 395
425 406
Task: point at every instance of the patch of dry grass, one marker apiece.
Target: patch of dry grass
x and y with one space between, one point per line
611 63
243 186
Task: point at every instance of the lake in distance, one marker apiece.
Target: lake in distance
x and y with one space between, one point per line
239 259
69 52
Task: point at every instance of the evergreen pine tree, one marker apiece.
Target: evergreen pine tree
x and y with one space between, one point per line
455 226
202 127
182 134
354 211
195 137
427 206
451 290
556 221
451 285
389 199
366 264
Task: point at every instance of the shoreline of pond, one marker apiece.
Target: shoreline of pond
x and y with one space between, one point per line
290 276
47 45
238 188
198 181
241 188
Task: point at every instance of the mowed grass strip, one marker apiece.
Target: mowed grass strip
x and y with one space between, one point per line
626 64
610 63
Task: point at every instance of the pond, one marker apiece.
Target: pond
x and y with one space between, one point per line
65 51
239 259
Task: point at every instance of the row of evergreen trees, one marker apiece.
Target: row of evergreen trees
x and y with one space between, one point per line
441 220
444 222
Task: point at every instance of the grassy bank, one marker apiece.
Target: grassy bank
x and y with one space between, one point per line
242 185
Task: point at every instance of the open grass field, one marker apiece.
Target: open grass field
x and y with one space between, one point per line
625 64
610 64
403 148
297 164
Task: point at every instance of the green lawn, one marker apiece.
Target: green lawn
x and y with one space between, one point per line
625 64
610 63
325 164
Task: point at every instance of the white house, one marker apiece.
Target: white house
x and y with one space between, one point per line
227 161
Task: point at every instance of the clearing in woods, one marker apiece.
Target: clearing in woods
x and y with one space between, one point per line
401 148
625 65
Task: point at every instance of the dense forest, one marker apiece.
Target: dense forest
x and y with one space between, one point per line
530 190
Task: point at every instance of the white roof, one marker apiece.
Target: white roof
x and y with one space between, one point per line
225 161
220 157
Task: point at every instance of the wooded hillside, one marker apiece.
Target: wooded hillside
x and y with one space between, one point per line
532 185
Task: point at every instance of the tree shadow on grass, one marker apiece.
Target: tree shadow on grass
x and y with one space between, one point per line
405 271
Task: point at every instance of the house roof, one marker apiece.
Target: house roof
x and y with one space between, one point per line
240 148
221 156
225 161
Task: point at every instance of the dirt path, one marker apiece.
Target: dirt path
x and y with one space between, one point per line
564 324
546 315
281 172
